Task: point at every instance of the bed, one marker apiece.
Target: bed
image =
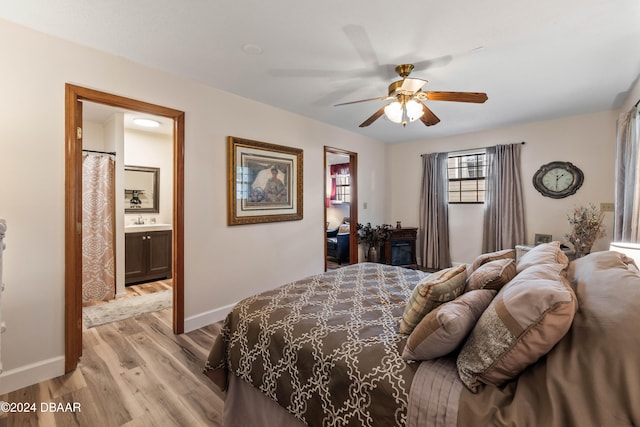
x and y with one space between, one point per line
330 350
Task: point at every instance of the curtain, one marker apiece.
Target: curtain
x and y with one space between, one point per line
98 254
627 186
503 226
433 232
337 169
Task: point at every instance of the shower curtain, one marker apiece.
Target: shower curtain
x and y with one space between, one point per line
98 253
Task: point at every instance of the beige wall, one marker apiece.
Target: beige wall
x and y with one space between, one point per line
588 141
222 264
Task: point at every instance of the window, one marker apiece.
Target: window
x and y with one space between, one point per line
340 183
466 174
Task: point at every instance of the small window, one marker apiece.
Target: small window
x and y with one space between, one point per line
467 174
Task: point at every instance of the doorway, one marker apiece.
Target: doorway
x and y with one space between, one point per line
73 209
341 206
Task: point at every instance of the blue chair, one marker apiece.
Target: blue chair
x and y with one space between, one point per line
338 245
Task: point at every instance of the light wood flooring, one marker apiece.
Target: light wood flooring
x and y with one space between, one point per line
141 289
133 373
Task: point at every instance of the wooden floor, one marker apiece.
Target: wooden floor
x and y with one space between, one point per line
132 373
141 289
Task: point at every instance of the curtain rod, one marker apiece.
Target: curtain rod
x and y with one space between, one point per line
637 103
477 148
113 153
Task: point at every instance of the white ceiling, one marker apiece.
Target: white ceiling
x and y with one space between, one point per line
535 59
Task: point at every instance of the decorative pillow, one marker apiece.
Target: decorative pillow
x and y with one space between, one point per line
523 322
442 330
492 256
431 291
492 275
546 253
344 228
585 267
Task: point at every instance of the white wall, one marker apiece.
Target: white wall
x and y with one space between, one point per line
152 150
336 213
222 264
588 141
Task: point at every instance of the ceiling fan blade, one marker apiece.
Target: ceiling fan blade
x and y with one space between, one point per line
375 116
380 98
477 97
412 85
361 42
428 118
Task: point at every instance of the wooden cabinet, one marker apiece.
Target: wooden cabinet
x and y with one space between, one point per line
147 256
400 248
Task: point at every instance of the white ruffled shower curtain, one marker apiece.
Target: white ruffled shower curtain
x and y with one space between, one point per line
98 253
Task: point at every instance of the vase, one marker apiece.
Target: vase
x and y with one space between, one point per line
582 250
372 254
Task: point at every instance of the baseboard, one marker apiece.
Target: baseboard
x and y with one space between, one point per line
207 318
25 376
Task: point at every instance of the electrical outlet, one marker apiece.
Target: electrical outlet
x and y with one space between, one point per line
606 207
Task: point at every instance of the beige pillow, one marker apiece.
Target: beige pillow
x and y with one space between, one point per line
492 256
523 322
430 292
344 228
585 267
546 253
443 329
492 275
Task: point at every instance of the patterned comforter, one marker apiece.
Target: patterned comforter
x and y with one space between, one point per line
326 348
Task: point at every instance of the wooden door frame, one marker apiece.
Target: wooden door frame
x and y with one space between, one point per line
74 95
353 208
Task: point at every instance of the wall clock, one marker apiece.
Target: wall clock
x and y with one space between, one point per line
558 179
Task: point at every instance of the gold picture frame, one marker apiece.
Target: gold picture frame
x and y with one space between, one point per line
264 182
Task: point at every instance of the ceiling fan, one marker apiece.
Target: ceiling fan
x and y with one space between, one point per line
407 96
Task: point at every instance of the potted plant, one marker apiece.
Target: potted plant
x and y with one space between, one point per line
373 237
586 223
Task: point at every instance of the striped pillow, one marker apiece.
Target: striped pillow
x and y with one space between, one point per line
492 275
431 291
492 256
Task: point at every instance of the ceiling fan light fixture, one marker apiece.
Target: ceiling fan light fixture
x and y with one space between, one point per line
414 110
393 111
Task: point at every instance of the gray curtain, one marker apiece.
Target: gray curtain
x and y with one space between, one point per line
503 207
433 232
627 186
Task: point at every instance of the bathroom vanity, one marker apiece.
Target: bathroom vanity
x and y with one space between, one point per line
147 253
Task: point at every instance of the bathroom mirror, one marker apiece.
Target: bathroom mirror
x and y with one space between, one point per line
141 189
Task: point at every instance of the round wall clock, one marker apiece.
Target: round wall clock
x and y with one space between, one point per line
558 179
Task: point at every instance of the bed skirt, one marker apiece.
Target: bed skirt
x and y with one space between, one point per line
245 405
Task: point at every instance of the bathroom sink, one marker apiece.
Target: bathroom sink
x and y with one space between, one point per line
135 228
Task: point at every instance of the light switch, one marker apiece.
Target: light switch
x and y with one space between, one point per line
606 207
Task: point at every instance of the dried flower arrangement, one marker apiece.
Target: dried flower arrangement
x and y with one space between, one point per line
586 223
373 236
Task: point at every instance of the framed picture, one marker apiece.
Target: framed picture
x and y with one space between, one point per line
265 182
543 238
